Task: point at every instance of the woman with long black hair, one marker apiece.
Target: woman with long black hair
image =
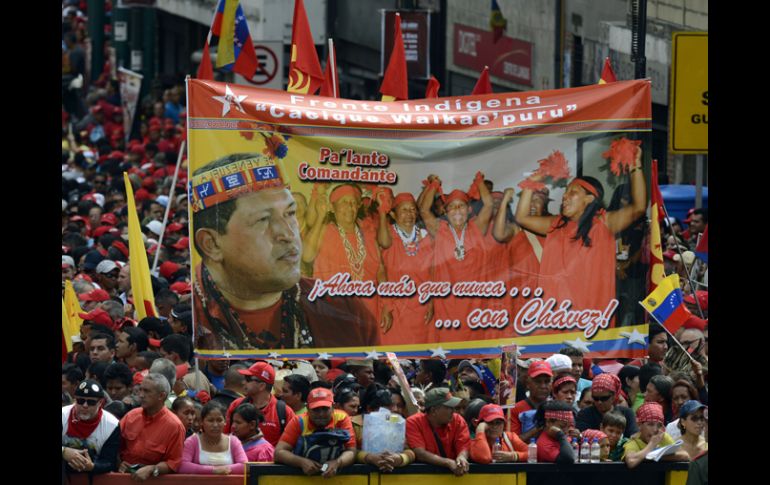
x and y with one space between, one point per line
578 261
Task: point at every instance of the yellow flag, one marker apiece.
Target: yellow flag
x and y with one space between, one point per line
141 284
70 318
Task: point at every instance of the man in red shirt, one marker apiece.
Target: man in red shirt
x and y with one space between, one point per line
320 416
439 436
152 437
260 378
539 385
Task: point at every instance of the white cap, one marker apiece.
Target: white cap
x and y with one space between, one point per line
156 227
106 266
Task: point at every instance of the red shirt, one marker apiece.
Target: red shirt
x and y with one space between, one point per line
547 449
525 268
519 408
150 440
271 426
302 426
455 437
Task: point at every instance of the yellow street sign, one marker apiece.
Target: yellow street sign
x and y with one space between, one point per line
688 108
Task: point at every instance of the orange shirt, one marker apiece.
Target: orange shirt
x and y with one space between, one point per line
519 408
150 440
571 271
481 452
408 314
332 258
448 268
301 425
455 437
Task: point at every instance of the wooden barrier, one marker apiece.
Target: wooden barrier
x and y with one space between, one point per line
417 473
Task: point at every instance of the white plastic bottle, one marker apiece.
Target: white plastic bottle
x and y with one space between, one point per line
596 451
496 447
576 448
585 451
532 451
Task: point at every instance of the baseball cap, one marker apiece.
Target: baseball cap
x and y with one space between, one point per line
539 368
89 388
97 294
156 227
109 218
690 407
97 315
703 299
68 261
695 322
360 363
440 396
181 288
183 243
106 266
490 412
559 363
92 260
262 371
320 397
168 268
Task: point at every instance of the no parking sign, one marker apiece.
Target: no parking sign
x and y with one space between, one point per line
270 71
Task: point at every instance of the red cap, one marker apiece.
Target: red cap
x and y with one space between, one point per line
154 342
332 374
490 412
116 154
181 288
141 195
101 230
97 294
183 243
149 183
97 315
320 397
109 219
538 368
695 322
669 254
139 376
703 299
181 370
174 227
120 247
262 371
168 268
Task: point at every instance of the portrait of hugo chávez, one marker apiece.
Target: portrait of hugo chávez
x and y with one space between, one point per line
248 290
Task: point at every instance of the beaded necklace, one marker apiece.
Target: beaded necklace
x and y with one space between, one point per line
459 243
355 258
411 242
295 332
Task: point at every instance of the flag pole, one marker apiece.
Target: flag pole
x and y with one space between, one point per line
670 334
168 205
333 68
681 257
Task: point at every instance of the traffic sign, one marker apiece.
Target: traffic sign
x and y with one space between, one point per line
689 127
270 71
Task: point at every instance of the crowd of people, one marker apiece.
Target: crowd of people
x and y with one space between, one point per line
134 400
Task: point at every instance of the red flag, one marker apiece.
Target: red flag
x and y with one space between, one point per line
657 274
331 84
205 70
395 84
608 75
702 249
433 86
305 74
483 86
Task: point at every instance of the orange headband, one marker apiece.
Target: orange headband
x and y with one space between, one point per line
457 194
403 197
342 191
589 188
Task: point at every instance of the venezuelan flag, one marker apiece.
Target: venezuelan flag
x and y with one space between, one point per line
666 304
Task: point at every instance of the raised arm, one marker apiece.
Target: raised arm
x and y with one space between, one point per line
621 219
502 230
425 201
485 215
536 224
313 243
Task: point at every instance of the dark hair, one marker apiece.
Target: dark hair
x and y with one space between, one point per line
324 384
655 329
249 413
664 385
375 397
109 337
180 401
117 409
436 368
119 371
178 343
627 372
345 394
614 418
83 361
475 388
586 219
167 296
298 383
97 369
690 388
646 372
233 377
218 216
571 352
472 411
149 356
150 324
136 336
382 372
704 212
583 393
72 373
551 406
212 406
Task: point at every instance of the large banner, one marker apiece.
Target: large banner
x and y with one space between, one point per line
325 226
130 87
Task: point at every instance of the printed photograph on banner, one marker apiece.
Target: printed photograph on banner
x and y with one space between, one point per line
327 224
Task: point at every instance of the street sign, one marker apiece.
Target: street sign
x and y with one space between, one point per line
688 117
270 71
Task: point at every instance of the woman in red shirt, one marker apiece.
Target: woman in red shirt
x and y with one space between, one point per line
553 445
490 430
581 240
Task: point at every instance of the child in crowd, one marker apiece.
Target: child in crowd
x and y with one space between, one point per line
614 425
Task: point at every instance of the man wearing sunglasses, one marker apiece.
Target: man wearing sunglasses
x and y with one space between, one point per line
604 389
90 436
